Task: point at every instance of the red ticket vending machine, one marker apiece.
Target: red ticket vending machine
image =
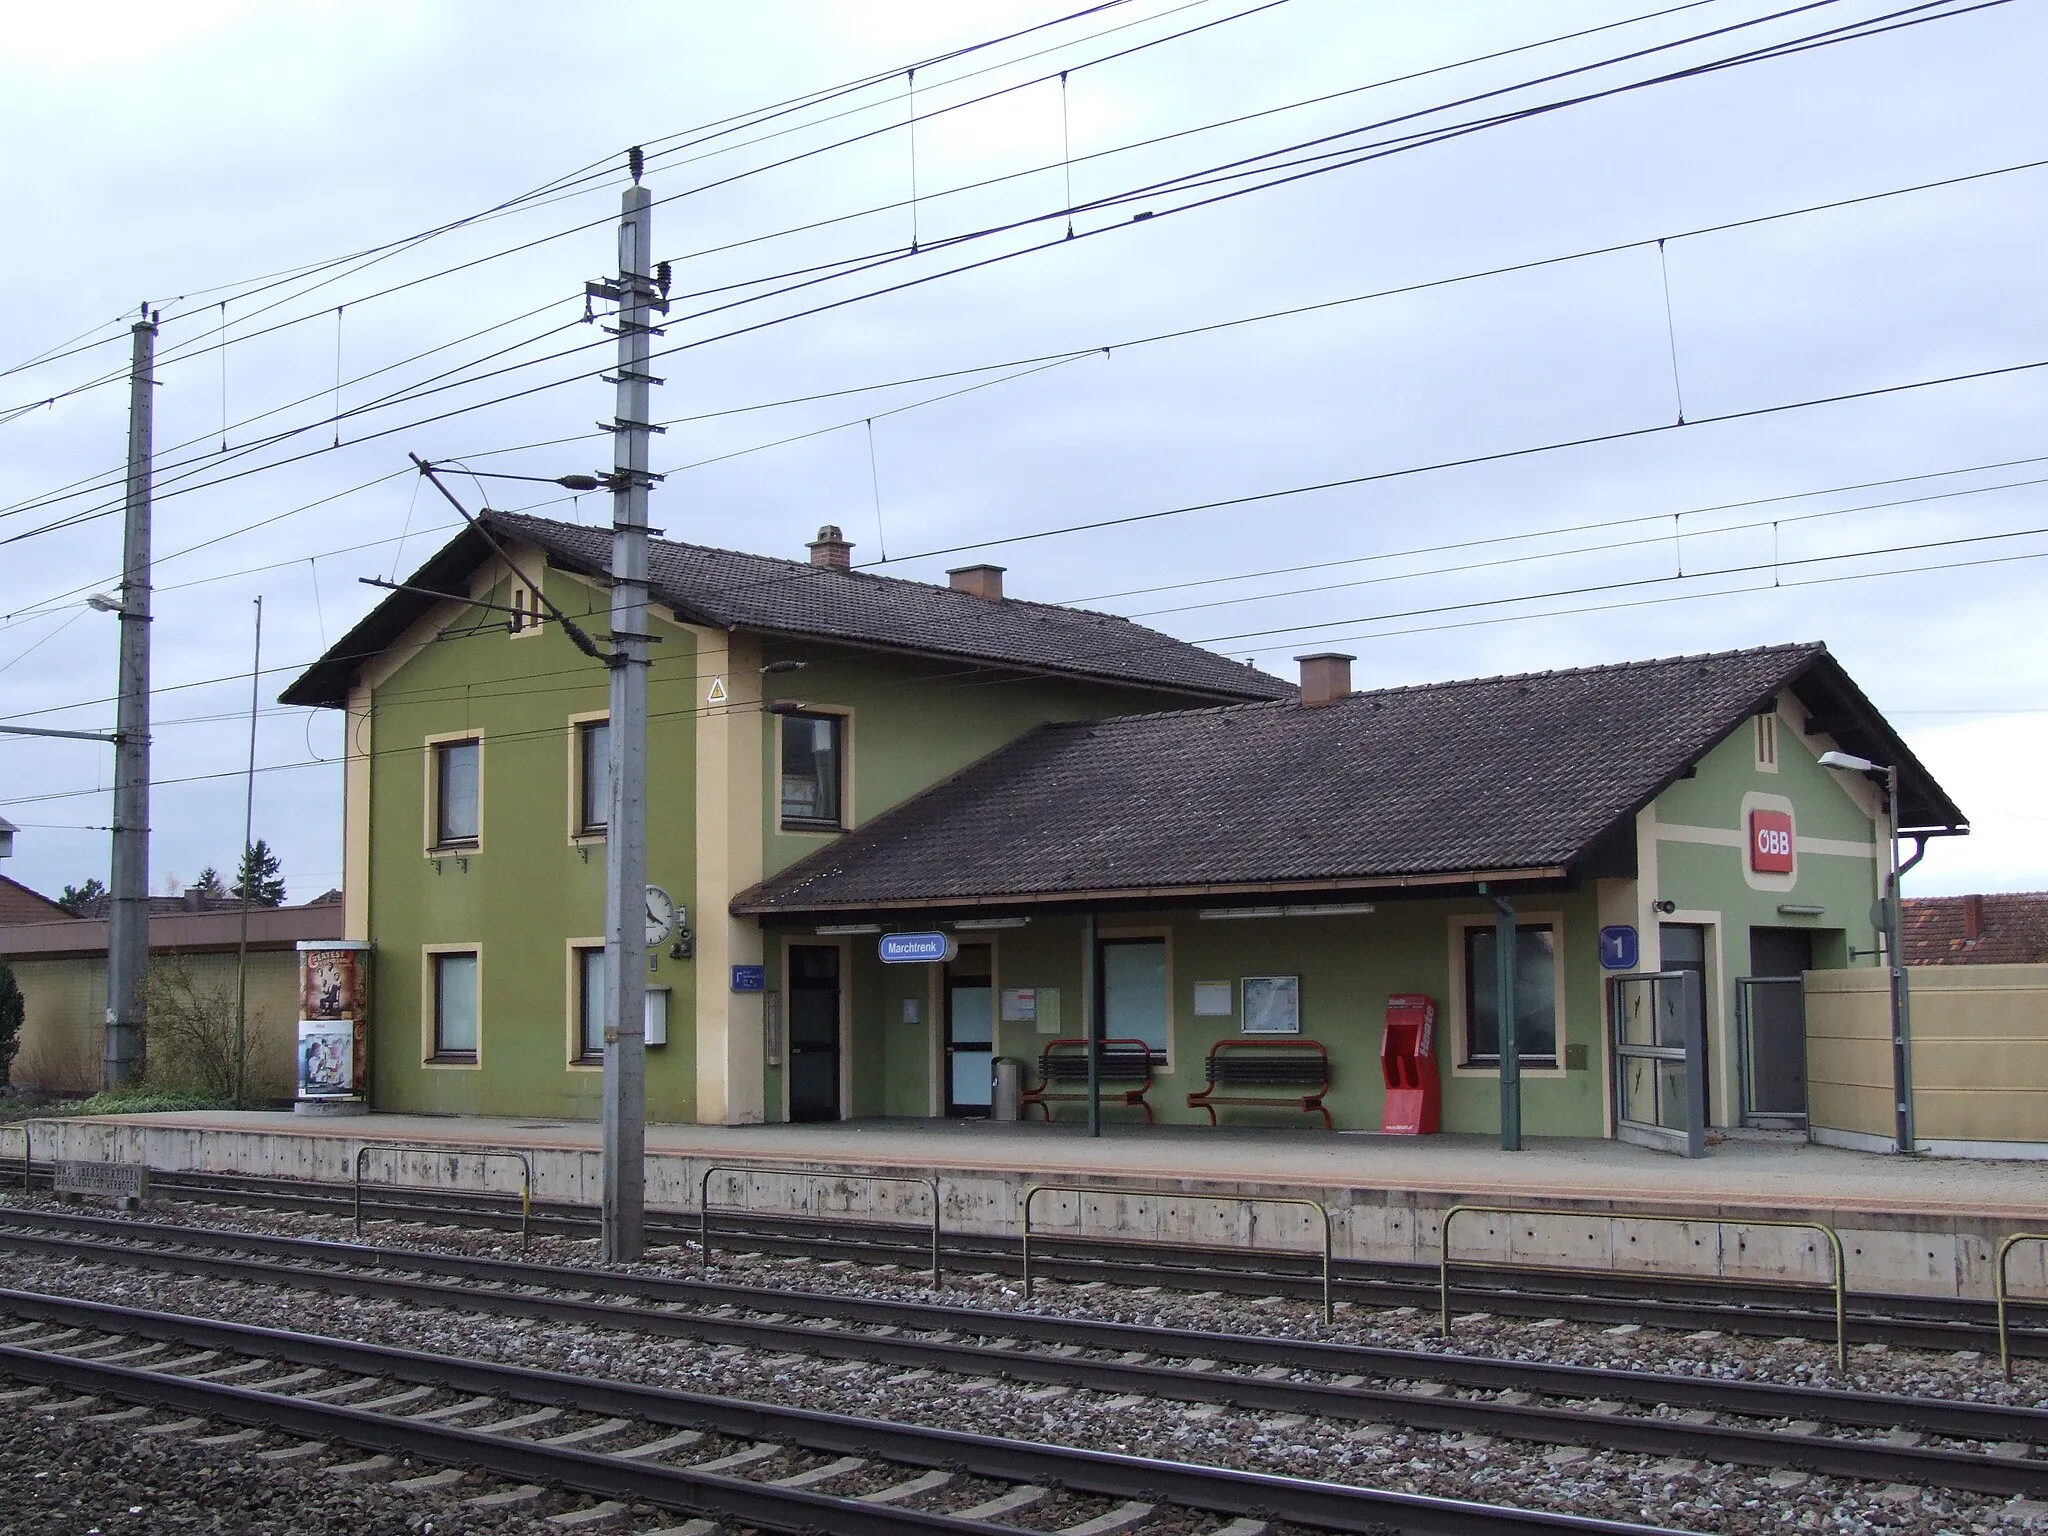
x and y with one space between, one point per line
1408 1062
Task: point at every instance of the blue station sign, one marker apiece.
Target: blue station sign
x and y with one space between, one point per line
918 948
1618 948
750 978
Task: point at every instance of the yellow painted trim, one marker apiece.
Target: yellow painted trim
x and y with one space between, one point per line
731 742
1459 924
428 997
358 755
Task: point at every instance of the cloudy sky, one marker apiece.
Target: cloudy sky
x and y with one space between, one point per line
198 156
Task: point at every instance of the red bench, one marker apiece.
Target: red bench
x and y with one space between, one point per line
1289 1065
1123 1068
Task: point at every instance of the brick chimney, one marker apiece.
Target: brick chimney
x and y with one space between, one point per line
981 580
1325 678
1973 919
831 548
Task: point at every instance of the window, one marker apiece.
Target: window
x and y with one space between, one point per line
526 611
1134 991
1535 995
1766 743
812 753
589 1004
593 776
455 1006
458 774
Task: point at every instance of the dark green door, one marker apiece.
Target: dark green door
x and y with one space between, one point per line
813 1032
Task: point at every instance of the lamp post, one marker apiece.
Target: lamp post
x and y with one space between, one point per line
1902 1050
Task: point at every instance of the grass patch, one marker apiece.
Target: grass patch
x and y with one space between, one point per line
137 1101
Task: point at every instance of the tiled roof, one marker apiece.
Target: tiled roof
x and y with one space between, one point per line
19 904
733 590
2003 928
1500 774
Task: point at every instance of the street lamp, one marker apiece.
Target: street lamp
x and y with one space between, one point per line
1902 1051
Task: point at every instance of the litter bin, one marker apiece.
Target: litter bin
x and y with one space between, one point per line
1006 1089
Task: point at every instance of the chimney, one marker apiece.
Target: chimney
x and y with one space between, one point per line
831 548
1973 919
1325 678
982 580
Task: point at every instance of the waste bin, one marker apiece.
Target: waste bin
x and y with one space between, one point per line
1006 1089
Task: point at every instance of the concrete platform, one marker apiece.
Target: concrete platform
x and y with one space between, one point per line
1907 1225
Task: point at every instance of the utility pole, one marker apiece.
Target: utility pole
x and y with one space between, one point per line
248 869
128 921
623 1193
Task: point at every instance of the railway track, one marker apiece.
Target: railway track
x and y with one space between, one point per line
751 1464
1909 1322
1977 1447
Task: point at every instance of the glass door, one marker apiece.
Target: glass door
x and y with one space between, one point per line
970 1031
813 1032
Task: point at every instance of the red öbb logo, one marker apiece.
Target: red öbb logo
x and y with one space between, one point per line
1770 842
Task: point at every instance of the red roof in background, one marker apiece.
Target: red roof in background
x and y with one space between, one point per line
19 904
2003 928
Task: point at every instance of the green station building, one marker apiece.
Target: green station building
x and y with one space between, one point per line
1093 819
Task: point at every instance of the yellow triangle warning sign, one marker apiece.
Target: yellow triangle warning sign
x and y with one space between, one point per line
717 693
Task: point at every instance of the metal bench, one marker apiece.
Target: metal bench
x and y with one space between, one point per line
1123 1068
1290 1065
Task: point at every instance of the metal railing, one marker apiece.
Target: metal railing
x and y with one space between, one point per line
525 1169
2000 1291
1839 1283
704 1200
1321 1211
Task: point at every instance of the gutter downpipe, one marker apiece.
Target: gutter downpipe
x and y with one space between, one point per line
1510 1033
1091 1022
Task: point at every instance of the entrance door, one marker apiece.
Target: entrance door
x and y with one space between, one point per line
1685 949
970 1031
1774 1022
813 1032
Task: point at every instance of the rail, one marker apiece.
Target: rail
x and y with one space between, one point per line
1839 1283
2000 1285
1321 1211
525 1168
704 1200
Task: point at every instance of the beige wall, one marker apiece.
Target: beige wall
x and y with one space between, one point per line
64 1028
1980 1054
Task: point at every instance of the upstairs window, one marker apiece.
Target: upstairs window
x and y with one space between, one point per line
1535 995
813 759
458 784
593 777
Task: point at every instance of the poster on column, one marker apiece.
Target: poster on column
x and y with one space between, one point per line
334 1022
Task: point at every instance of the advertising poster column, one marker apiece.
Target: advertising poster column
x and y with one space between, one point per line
334 1027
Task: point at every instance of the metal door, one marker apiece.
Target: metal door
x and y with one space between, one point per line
813 1032
1660 1051
1771 1010
970 1032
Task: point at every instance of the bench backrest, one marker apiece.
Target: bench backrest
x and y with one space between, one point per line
1280 1064
1119 1061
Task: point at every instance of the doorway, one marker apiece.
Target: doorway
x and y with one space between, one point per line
1684 948
813 1032
970 1031
1773 1017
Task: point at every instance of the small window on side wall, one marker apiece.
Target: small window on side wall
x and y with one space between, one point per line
593 777
458 775
590 1004
813 759
1767 743
456 1006
1535 995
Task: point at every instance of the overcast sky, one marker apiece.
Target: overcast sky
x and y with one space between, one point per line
173 155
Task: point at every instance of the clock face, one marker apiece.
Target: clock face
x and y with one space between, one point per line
661 916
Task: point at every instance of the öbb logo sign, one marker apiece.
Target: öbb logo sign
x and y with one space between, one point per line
1770 842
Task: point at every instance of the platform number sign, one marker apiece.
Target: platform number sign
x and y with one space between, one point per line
1770 842
1618 948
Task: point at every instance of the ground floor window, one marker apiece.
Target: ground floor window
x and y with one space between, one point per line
454 978
1134 1003
1536 947
589 1004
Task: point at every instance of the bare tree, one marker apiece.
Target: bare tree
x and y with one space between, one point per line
191 1028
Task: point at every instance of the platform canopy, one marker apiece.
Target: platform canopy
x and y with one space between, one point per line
1423 790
